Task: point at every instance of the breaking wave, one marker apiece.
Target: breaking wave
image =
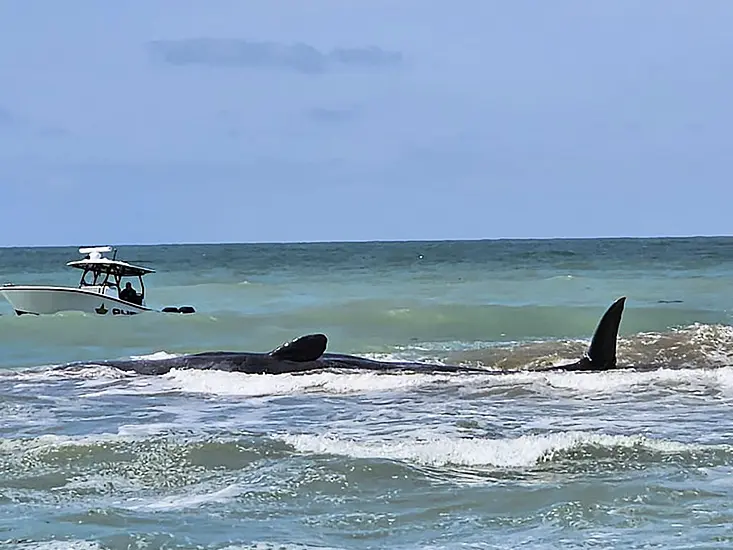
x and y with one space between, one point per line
521 452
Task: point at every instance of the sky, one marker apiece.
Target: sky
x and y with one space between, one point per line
162 121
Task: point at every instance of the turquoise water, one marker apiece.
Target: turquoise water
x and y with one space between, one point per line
95 458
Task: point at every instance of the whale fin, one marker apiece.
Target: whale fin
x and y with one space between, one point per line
301 350
601 354
602 350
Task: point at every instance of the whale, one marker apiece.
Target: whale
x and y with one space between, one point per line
308 353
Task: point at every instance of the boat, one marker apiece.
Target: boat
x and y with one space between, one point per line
100 289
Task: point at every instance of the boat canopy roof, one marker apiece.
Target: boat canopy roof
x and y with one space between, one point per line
97 263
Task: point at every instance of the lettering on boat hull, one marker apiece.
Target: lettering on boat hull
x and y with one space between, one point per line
102 310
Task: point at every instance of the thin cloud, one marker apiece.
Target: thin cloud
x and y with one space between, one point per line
299 57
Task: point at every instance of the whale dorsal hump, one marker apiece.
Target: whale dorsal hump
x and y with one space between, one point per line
306 348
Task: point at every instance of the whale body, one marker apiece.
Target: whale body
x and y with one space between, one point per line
308 353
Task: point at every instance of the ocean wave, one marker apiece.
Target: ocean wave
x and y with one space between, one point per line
264 545
55 545
698 357
521 452
256 385
666 372
335 383
58 468
128 464
692 346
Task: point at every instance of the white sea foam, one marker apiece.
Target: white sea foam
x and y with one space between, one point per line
183 501
58 545
52 441
257 545
222 383
619 381
520 452
135 386
47 374
155 356
253 385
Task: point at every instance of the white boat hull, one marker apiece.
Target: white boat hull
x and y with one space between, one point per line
47 300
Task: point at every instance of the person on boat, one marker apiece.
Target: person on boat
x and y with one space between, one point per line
129 294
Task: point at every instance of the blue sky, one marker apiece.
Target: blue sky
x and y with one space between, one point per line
232 121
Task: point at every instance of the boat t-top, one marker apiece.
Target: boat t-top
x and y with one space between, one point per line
100 289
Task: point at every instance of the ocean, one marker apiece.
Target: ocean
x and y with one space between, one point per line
94 458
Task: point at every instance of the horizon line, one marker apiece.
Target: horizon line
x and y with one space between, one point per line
373 241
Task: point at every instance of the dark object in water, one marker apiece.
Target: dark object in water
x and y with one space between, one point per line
307 353
182 309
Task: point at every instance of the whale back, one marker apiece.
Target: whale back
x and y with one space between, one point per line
306 348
